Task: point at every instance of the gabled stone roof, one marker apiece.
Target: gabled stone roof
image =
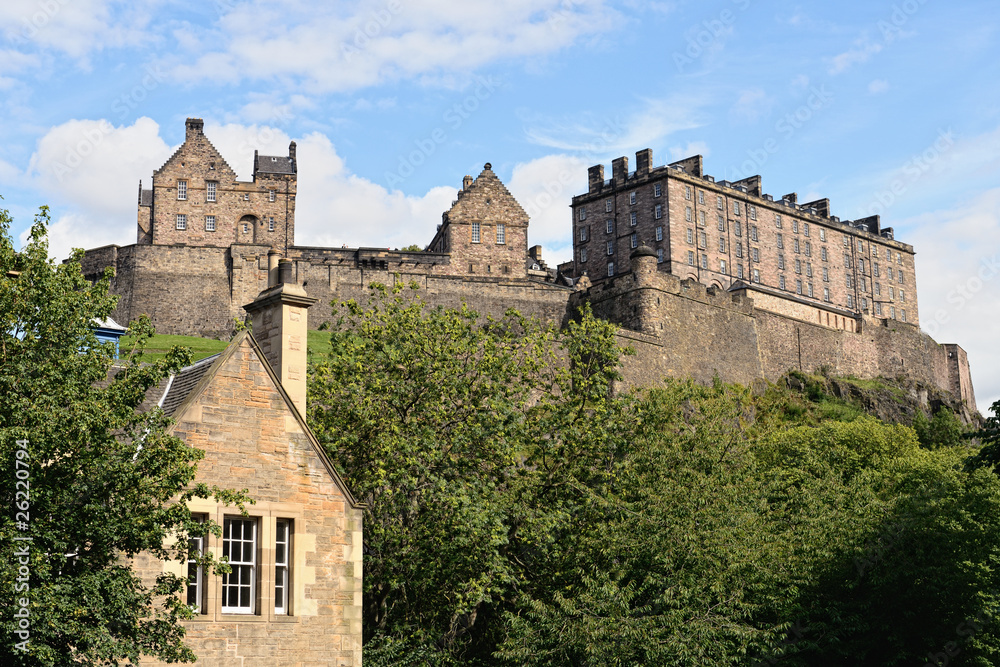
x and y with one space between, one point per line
484 199
183 382
273 164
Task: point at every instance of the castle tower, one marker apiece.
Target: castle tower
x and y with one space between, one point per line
486 230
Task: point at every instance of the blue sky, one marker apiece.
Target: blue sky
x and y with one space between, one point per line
884 107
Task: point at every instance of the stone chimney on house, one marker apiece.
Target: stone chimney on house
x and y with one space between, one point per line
193 127
280 327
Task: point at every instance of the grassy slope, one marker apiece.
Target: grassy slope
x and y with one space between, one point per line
157 347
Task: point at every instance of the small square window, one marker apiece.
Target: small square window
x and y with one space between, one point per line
182 221
246 196
246 228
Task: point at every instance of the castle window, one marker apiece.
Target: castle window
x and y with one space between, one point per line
892 293
611 269
878 289
753 232
631 198
737 229
809 249
796 241
720 203
633 218
701 196
850 281
809 269
722 244
902 314
658 211
753 212
611 247
609 226
209 223
847 242
704 262
475 232
702 240
781 241
899 259
687 214
722 224
690 236
900 276
878 309
805 228
864 284
739 250
781 282
798 266
809 290
736 208
687 192
196 574
847 261
634 240
755 254
690 257
826 294
583 254
583 214
795 226
657 190
798 287
822 234
609 205
501 233
864 303
659 233
282 558
850 301
182 190
270 195
875 251
270 224
182 221
583 234
875 269
739 271
701 218
239 544
246 228
889 271
777 220
722 267
861 246
756 275
781 262
822 253
659 255
902 296
210 190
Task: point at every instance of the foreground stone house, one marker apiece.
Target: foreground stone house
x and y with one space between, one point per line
294 594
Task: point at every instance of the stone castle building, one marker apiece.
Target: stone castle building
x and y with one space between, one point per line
742 285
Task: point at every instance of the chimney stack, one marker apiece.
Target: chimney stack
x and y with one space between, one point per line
193 127
280 326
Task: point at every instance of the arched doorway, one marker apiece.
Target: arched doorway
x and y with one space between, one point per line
246 229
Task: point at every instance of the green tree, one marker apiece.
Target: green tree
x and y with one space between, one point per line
98 482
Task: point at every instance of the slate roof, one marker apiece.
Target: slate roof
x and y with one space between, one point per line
274 164
146 198
109 324
171 392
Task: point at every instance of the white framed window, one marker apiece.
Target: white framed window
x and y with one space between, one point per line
795 226
777 220
805 228
781 241
659 233
282 563
878 289
609 226
687 214
875 251
239 545
847 242
850 301
583 234
899 259
739 271
781 282
210 187
246 196
809 269
798 266
737 229
611 269
781 262
583 214
182 221
270 224
755 254
475 232
722 224
209 223
723 269
756 275
809 250
822 234
809 291
753 212
634 240
739 250
701 218
861 246
702 240
658 211
701 196
182 190
826 294
609 205
720 203
889 273
657 190
902 314
878 309
631 198
659 255
900 276
822 253
796 242
196 573
583 254
501 233
892 294
736 208
611 247
902 296
704 262
722 244
246 228
864 303
690 257
270 195
687 192
633 218
690 236
875 269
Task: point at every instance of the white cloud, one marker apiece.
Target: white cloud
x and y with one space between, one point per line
862 51
878 86
545 187
751 106
958 280
688 150
330 48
